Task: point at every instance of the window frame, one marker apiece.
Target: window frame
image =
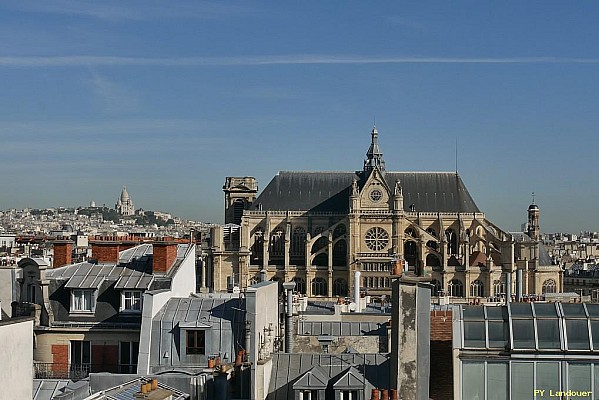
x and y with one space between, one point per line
195 333
124 299
82 292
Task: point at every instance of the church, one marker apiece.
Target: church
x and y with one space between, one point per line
318 229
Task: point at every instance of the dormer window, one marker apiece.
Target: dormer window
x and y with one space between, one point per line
83 300
131 300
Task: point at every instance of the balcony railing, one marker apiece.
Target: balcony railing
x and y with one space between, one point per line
77 372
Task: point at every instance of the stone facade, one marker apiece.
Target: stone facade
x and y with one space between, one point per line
319 228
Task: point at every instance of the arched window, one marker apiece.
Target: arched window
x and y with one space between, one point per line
387 282
410 232
476 289
340 253
321 260
257 247
549 286
370 281
300 284
437 287
410 251
452 242
365 282
238 206
319 287
498 287
320 244
277 243
340 287
339 231
431 232
376 282
456 288
433 261
298 240
432 244
318 230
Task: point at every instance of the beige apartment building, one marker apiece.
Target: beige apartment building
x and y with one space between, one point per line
319 228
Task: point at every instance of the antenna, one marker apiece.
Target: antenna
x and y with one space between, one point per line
533 197
456 154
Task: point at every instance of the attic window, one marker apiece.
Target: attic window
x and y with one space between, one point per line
196 342
83 300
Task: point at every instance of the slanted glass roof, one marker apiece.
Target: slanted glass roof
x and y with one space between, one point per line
525 327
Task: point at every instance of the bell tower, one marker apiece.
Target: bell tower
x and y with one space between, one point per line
533 228
240 193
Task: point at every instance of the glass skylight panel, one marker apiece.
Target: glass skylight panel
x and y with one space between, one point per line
473 380
474 334
595 331
593 310
577 332
498 334
522 381
523 333
548 331
473 313
497 381
545 310
496 313
548 377
579 379
573 310
521 310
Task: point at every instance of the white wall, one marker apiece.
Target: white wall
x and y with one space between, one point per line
16 353
262 306
183 283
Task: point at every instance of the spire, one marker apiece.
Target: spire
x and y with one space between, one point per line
374 155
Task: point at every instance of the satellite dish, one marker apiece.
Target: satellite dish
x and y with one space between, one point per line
353 306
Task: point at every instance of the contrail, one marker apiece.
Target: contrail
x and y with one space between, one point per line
81 60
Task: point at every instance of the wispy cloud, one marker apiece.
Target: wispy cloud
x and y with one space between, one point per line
129 10
114 97
76 61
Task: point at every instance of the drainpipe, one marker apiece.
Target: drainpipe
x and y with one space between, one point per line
289 286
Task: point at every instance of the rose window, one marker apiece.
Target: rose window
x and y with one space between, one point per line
376 195
376 238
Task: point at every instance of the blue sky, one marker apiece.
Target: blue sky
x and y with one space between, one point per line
169 98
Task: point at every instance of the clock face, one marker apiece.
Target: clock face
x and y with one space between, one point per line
376 195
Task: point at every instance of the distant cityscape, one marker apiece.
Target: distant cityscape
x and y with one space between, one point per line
324 285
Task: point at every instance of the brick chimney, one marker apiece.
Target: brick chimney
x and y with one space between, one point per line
63 253
105 249
164 256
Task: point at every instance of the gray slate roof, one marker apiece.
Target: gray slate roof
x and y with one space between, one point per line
222 316
134 270
289 367
128 390
329 191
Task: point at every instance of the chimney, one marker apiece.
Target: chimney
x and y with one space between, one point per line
63 251
164 256
410 337
105 250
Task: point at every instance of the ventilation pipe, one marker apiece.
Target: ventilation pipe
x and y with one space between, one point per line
289 286
518 284
357 289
